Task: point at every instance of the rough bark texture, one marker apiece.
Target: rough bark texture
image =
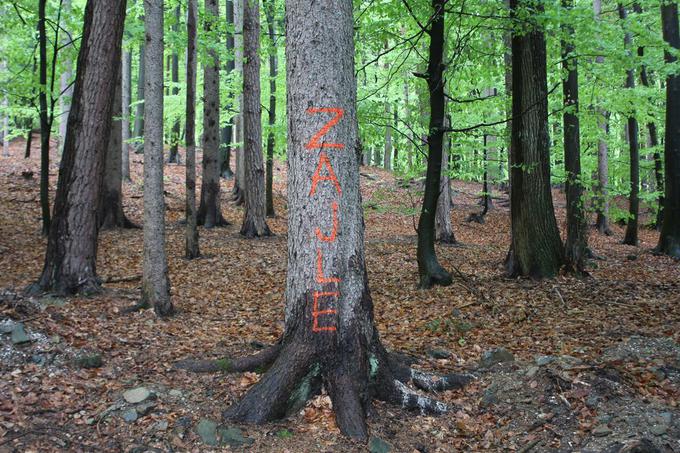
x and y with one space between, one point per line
329 331
443 224
138 131
191 232
240 176
70 261
155 281
631 236
45 122
430 271
65 86
210 211
254 216
111 213
273 73
174 70
126 84
536 248
669 240
575 245
228 130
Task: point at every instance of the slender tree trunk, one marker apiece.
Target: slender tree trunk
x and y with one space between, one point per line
273 73
443 225
240 177
138 131
487 204
430 271
126 75
409 145
191 233
329 335
111 213
536 248
155 280
227 130
507 62
45 123
70 261
65 87
631 236
5 116
174 69
254 216
210 211
29 139
576 243
669 239
387 161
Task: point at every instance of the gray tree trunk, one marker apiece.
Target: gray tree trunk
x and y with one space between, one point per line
240 175
191 233
602 198
155 280
125 100
65 87
138 131
387 161
443 225
254 217
210 211
270 10
71 257
174 74
111 213
5 116
227 133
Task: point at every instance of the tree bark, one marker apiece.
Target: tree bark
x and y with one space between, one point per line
126 82
273 74
111 213
240 176
536 248
430 271
191 232
631 235
443 225
70 260
669 239
329 335
155 280
576 243
45 123
138 131
254 216
387 161
209 210
65 87
174 70
228 130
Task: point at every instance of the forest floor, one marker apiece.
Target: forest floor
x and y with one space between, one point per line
587 364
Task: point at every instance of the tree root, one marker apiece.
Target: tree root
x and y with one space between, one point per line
256 362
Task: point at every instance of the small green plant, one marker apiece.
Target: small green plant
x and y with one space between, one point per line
284 434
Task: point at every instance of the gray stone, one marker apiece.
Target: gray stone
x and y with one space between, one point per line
489 398
145 408
377 445
494 356
604 418
438 353
161 425
137 395
601 431
175 393
659 429
38 359
207 431
667 417
592 401
19 334
544 360
130 416
531 372
233 437
7 326
89 360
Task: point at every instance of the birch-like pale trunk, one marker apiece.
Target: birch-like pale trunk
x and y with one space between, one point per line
155 280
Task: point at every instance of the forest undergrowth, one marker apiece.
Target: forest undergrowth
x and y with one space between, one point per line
585 351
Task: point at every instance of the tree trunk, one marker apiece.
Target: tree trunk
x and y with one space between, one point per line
602 195
210 211
126 74
191 234
70 261
576 243
536 248
5 115
443 225
387 161
430 271
65 87
669 240
174 69
240 177
111 213
507 63
155 280
138 131
329 335
487 204
409 144
29 139
227 130
45 123
631 236
273 73
254 216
